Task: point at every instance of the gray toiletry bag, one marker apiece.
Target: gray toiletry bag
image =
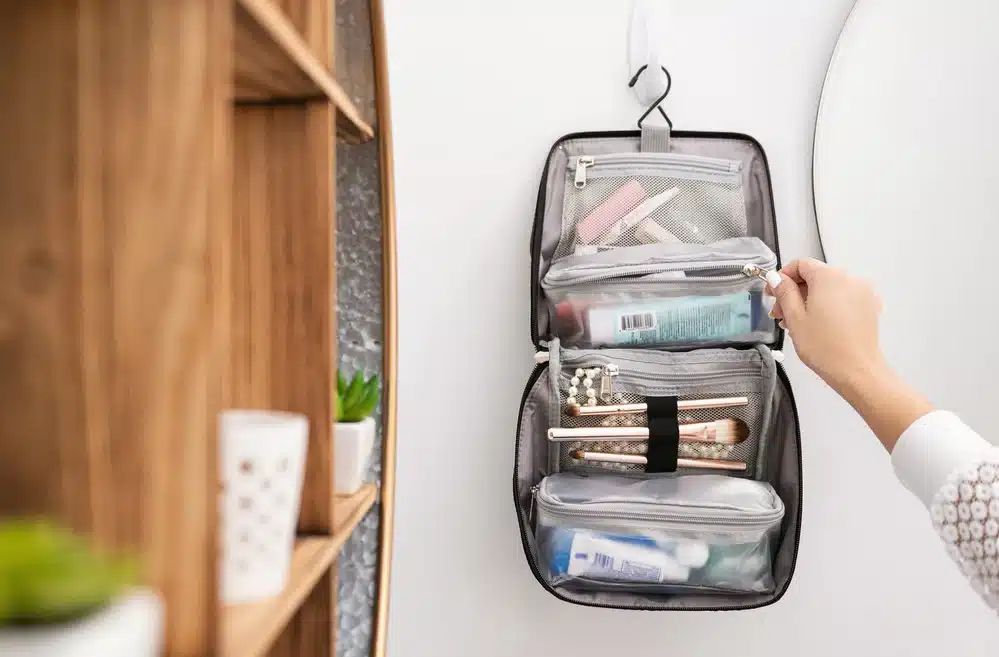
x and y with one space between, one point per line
641 288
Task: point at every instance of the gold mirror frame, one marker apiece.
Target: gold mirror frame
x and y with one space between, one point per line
389 328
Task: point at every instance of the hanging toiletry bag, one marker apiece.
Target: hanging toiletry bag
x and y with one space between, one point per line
658 455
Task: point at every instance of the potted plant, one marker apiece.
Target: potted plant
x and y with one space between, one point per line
354 434
60 597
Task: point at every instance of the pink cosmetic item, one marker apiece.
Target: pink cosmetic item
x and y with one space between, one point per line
615 207
643 210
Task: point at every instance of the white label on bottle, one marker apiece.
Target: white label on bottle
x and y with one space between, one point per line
641 572
636 322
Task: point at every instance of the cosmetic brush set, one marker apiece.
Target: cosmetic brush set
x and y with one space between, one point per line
658 461
728 431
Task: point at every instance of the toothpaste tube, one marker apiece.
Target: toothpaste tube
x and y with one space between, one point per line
617 559
674 321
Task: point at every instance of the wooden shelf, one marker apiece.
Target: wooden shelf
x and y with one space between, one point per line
249 630
273 63
349 510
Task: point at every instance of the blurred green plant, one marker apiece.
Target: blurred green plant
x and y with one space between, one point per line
357 399
48 574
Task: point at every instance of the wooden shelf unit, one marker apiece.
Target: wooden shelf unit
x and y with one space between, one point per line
167 201
250 630
272 62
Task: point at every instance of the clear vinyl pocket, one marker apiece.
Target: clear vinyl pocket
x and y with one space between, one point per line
730 426
670 295
708 533
626 199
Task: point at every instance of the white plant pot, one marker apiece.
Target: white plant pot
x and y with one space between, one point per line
130 627
263 462
352 445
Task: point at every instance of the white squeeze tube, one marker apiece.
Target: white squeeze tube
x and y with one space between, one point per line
606 559
670 321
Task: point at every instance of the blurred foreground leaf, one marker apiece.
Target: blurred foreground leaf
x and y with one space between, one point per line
48 575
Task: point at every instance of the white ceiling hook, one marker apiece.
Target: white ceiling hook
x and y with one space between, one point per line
644 43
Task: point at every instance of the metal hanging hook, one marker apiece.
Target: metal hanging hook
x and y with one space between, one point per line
656 105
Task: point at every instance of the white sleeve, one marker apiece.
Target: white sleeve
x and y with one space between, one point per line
933 447
955 473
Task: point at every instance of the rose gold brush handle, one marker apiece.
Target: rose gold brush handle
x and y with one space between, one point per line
712 464
682 405
638 459
700 432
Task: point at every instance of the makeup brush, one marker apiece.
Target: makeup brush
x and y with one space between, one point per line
575 410
638 459
719 432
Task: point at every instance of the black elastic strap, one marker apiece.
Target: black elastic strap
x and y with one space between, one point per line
664 434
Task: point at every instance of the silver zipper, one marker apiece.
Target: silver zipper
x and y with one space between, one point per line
741 270
755 271
607 374
581 164
597 513
652 380
679 162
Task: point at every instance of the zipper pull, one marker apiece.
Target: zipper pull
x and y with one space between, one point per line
777 354
541 357
607 375
534 500
581 163
755 271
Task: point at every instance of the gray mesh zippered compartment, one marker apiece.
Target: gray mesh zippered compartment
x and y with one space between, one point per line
692 199
753 211
690 375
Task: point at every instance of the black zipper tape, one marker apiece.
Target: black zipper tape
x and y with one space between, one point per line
539 209
531 381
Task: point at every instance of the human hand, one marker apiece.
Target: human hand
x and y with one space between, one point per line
832 319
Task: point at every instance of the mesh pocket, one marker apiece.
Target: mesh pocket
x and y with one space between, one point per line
616 211
746 451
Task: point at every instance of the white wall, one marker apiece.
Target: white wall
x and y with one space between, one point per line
480 91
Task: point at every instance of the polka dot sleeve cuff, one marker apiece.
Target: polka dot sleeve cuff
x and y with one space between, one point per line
955 472
965 512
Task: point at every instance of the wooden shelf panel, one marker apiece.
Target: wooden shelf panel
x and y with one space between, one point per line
349 510
273 63
249 630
